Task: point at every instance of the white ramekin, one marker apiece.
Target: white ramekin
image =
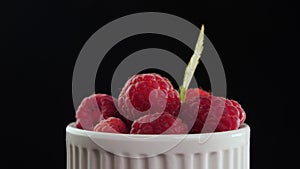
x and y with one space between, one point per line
220 150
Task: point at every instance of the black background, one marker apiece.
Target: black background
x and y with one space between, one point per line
256 41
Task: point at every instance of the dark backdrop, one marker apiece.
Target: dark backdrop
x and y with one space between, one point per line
256 41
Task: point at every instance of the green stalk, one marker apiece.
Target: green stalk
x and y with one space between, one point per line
192 65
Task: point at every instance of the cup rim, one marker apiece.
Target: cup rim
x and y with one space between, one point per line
81 132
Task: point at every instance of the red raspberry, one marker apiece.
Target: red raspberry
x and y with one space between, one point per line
111 125
158 123
95 108
78 125
135 99
224 114
195 92
242 115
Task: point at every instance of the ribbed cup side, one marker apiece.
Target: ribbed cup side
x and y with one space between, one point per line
228 150
84 158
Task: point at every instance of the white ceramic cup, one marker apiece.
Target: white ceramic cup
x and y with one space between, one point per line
219 150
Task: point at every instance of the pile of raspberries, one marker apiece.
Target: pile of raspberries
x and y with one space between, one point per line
149 104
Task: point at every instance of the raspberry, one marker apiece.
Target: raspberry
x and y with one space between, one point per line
95 108
111 125
78 125
135 99
242 115
158 123
224 114
195 92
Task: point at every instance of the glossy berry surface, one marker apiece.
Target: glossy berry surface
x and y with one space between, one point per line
111 125
147 94
158 123
93 109
211 113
